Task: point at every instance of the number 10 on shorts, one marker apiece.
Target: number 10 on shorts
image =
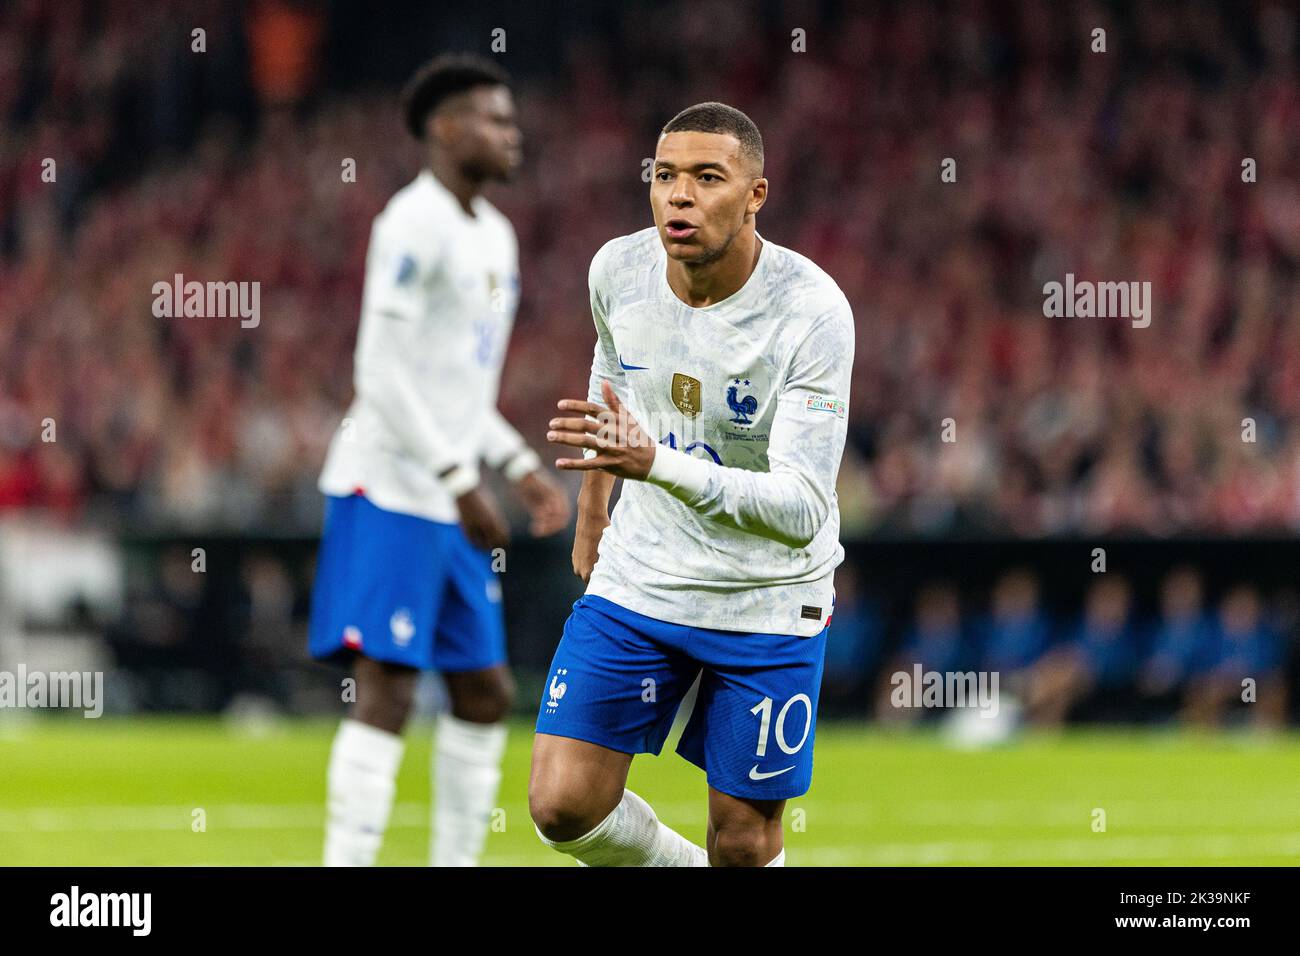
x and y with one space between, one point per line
763 710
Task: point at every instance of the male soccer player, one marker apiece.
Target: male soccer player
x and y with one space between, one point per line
405 580
718 392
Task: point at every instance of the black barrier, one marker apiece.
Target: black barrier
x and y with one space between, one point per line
216 629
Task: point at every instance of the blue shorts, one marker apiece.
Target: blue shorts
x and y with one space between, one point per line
405 590
618 677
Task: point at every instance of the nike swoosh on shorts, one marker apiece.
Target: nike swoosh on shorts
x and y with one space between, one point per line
756 774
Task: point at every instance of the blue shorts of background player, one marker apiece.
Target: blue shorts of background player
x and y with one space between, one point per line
618 677
405 590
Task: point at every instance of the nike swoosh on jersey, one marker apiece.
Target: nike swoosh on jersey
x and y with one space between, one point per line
631 368
756 774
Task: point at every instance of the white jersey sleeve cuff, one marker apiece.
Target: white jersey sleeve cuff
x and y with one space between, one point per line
679 474
525 462
461 479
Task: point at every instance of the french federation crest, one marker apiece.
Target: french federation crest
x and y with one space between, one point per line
686 394
402 626
742 405
558 689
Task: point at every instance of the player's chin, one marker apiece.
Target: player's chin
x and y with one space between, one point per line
684 250
509 166
502 170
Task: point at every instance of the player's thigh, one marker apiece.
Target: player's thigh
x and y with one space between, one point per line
754 723
573 784
742 812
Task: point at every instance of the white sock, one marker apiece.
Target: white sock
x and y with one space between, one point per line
778 860
361 782
466 775
631 836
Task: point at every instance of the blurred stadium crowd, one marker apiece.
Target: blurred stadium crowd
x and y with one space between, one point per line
1127 165
226 165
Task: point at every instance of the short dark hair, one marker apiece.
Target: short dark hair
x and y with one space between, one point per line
442 77
714 117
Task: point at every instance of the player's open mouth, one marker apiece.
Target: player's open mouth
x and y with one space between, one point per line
679 229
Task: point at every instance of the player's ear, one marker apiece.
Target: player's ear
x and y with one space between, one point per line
757 195
441 127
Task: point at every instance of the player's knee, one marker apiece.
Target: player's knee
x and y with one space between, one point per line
385 704
485 701
384 711
560 815
742 845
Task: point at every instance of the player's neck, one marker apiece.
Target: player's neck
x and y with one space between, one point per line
455 182
703 285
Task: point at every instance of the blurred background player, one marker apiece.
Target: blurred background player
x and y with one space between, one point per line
1243 648
934 640
1181 636
1016 631
405 579
1095 663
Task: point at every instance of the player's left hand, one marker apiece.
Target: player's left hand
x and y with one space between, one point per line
621 447
546 502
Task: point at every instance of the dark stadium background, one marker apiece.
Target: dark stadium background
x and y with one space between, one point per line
1072 434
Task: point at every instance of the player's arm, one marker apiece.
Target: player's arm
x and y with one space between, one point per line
792 500
597 486
396 270
398 267
505 449
593 519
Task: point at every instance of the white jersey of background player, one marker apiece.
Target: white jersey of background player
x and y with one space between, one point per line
404 576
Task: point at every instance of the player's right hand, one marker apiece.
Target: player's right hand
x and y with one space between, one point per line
621 446
586 544
482 521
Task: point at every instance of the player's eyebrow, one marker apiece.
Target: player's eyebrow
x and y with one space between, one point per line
664 164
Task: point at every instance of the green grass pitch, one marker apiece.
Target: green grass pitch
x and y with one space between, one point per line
125 792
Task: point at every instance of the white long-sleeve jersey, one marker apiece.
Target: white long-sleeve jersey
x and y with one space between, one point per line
441 289
737 526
